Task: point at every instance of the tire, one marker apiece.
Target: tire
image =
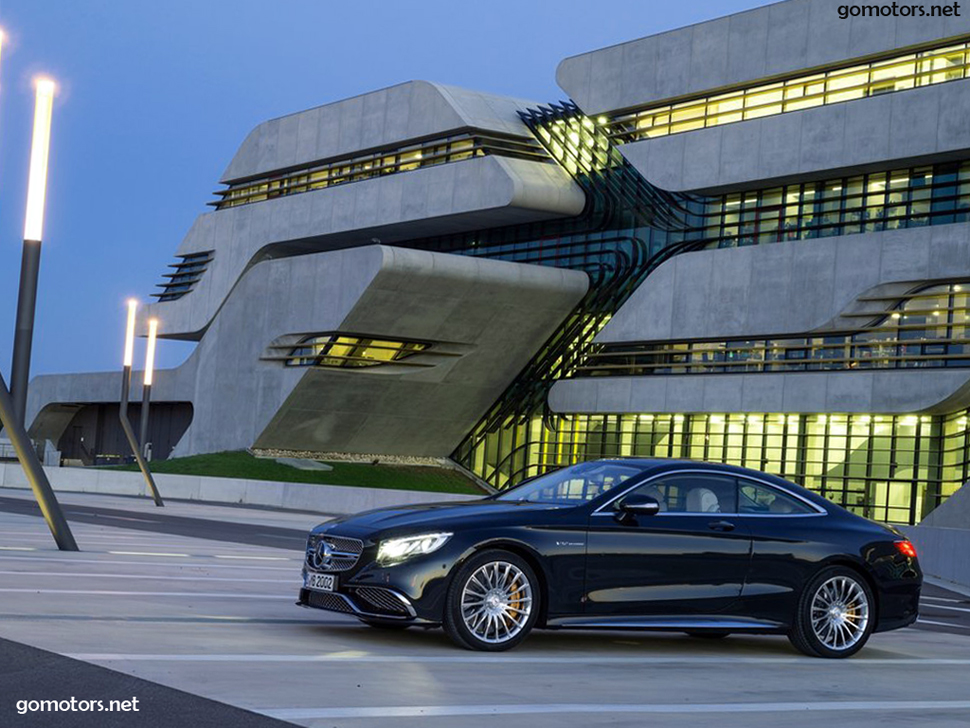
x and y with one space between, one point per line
493 602
843 608
712 635
390 626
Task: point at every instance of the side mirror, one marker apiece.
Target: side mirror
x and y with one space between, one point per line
638 505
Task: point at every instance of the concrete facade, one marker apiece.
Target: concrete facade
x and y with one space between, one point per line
760 44
921 126
760 291
483 260
482 317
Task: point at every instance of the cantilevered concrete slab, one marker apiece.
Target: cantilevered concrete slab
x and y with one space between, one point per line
462 196
450 198
374 120
788 289
921 126
760 44
484 319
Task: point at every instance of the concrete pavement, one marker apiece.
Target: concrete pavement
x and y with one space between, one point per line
216 619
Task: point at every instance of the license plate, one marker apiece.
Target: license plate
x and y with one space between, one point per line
321 582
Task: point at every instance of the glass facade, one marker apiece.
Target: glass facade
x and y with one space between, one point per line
888 467
318 176
927 328
895 73
892 468
885 200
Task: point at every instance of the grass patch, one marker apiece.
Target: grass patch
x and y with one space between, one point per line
240 464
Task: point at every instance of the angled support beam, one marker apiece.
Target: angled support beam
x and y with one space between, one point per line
132 440
36 476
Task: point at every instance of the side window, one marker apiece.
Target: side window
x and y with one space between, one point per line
757 498
692 493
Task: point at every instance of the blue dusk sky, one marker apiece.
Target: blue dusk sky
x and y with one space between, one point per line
155 97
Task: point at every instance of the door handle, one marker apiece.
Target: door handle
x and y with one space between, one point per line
721 526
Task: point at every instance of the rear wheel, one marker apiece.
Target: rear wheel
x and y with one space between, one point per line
836 614
493 602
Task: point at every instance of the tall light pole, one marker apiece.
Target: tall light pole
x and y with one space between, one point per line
33 234
123 408
146 389
39 484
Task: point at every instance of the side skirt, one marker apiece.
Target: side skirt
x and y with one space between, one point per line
676 623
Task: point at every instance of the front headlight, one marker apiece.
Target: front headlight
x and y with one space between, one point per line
396 550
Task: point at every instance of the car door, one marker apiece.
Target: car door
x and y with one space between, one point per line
788 537
690 558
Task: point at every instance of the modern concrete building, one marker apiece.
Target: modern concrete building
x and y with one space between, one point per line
746 240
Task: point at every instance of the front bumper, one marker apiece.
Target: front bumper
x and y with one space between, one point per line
413 591
365 602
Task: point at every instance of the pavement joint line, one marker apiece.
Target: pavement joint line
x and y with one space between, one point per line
127 518
951 609
183 564
526 660
429 711
202 619
153 577
199 556
119 593
950 625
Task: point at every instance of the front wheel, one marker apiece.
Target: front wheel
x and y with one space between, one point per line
836 614
493 602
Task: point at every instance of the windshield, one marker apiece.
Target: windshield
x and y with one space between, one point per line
573 485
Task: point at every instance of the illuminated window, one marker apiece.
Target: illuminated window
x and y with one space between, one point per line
896 73
401 159
927 328
345 351
892 468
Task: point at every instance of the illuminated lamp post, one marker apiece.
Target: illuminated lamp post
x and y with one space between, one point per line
123 408
12 423
146 390
33 234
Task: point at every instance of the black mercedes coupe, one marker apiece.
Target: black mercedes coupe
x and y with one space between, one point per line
670 545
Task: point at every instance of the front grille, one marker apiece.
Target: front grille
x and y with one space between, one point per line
381 600
328 601
343 552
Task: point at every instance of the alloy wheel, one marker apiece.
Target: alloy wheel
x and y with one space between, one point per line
840 613
496 601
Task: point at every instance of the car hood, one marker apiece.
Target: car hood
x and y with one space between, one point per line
408 519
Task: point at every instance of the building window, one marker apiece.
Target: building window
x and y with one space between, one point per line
346 351
454 148
926 328
895 73
889 200
188 271
893 468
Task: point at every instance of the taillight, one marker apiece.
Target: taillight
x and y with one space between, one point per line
906 548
